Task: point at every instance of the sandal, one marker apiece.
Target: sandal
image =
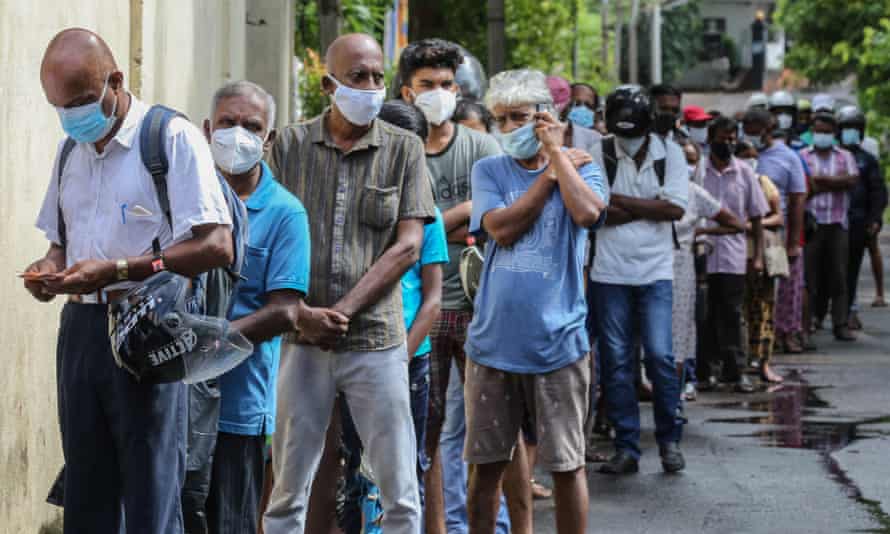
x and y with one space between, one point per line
879 302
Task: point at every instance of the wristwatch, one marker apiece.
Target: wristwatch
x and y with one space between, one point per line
123 270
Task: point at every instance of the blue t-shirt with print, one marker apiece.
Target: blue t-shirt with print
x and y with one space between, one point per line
435 250
277 258
530 309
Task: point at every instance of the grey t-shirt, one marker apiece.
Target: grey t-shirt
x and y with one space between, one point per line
450 174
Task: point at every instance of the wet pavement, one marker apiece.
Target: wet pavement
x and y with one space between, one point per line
811 455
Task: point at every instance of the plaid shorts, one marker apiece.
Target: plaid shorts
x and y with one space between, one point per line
448 335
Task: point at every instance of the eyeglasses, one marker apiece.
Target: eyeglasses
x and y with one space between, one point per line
518 117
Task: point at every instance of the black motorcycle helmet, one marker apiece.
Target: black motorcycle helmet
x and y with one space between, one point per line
156 336
851 117
629 112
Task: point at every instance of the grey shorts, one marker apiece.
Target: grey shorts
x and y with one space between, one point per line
556 403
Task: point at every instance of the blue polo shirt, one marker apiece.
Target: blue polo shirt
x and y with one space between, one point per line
277 257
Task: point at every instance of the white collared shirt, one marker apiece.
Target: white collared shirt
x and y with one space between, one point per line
641 252
109 201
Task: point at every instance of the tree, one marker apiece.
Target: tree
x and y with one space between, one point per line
833 39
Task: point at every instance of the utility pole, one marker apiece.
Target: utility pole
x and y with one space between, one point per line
497 39
655 61
575 41
328 23
619 31
604 32
633 48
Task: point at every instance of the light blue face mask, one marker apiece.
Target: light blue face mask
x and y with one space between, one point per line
850 137
582 116
823 140
521 143
88 123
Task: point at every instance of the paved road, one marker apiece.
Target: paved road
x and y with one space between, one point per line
808 457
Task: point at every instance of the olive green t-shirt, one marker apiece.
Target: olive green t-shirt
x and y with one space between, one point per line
450 173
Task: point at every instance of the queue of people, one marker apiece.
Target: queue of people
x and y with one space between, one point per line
357 373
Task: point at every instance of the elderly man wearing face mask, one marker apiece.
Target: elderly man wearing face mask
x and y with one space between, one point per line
124 441
267 303
527 345
632 273
365 184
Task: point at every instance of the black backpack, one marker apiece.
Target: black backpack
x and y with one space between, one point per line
610 160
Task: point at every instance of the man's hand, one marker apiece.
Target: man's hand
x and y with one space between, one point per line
578 157
793 251
37 288
757 264
84 277
322 327
872 229
550 132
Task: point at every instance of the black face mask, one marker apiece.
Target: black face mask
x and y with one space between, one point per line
723 151
665 122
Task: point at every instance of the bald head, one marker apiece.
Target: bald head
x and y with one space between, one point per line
355 60
75 66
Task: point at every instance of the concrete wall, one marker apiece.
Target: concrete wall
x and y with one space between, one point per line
181 50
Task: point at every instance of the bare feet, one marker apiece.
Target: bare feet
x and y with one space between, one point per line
768 375
879 302
540 492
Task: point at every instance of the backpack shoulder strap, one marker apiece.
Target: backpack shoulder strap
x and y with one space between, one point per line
610 158
63 158
153 151
660 169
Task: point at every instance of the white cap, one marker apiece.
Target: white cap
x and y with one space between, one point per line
757 100
823 102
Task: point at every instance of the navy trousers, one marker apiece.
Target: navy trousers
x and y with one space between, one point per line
124 442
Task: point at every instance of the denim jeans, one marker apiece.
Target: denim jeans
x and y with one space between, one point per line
454 470
419 378
618 308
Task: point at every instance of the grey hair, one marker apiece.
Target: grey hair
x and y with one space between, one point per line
517 88
245 88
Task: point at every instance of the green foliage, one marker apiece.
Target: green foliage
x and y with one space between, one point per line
314 100
539 35
833 39
365 16
681 41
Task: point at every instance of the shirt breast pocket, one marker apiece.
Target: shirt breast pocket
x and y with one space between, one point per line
379 206
256 263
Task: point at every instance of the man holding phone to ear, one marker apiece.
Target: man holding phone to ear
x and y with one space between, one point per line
527 344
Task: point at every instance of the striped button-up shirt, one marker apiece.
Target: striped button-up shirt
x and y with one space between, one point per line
830 207
738 190
355 200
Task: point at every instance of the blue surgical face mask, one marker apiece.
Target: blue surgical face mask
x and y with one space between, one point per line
823 140
850 137
521 143
88 123
581 116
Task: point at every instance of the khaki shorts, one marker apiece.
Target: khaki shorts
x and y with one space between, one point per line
556 403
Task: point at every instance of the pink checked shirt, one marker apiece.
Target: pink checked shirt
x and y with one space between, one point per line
830 207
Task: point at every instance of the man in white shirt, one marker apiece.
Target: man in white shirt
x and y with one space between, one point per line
124 441
632 273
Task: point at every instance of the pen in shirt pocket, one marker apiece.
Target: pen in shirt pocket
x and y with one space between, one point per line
133 211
